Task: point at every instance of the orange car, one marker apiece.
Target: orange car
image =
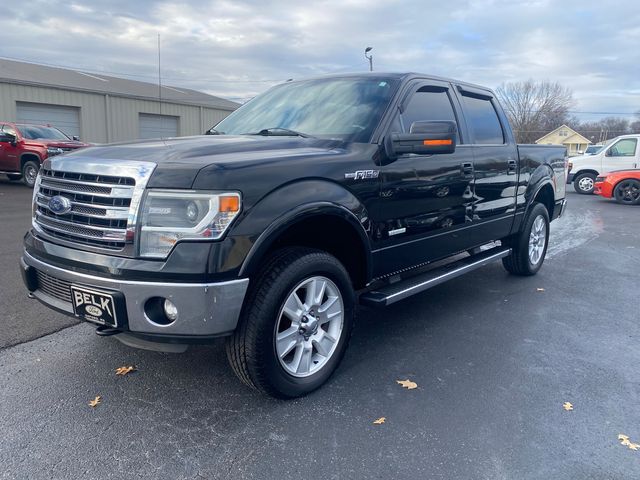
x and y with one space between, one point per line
623 185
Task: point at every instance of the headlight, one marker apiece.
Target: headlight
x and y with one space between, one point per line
51 151
169 216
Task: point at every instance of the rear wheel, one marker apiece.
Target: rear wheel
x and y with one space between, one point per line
29 173
530 246
627 192
296 324
584 183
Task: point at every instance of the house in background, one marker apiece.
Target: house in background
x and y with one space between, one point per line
575 143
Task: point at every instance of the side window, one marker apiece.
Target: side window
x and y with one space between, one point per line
9 129
482 119
624 148
428 103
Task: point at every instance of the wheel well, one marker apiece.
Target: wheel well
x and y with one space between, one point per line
545 196
593 172
333 235
28 156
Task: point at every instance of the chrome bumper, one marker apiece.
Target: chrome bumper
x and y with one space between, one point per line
205 309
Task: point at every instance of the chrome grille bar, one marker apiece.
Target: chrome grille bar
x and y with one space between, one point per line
104 201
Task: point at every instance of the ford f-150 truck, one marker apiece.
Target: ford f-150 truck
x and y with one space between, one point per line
23 148
312 198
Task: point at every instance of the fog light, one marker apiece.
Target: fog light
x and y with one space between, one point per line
170 310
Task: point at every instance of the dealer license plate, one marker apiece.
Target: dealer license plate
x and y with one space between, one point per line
94 306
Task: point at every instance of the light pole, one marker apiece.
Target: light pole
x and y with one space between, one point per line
369 57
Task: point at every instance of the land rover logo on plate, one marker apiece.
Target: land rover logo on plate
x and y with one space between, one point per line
60 205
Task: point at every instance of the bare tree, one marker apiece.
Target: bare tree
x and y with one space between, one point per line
535 108
609 127
635 126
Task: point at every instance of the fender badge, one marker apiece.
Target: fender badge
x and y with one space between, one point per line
362 174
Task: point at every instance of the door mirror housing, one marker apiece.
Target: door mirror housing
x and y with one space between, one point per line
76 138
424 138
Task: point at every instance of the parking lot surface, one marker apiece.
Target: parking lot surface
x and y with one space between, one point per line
494 356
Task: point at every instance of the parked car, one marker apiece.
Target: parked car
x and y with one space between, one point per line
623 185
314 196
23 148
617 154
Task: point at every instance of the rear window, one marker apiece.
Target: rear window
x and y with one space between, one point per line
483 120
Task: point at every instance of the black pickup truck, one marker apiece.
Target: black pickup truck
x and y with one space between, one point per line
314 197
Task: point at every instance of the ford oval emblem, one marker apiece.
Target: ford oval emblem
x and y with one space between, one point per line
60 205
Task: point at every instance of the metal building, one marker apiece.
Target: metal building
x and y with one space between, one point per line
102 109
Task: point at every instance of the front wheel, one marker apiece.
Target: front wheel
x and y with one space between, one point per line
627 192
29 173
529 247
584 183
296 324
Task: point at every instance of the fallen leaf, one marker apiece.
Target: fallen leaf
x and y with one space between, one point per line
379 421
124 370
567 406
633 446
622 437
408 384
94 403
540 289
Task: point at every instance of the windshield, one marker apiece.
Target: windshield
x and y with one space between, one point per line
344 108
33 132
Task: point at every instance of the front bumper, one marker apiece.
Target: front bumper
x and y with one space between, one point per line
205 309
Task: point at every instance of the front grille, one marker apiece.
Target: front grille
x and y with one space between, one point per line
54 287
99 212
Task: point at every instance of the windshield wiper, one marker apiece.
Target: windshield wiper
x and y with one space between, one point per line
278 131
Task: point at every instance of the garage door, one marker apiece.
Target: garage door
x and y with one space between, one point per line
66 119
157 126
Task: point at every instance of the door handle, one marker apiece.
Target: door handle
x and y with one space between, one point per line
466 168
513 166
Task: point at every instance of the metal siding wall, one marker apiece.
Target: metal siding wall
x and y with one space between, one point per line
124 112
92 124
212 117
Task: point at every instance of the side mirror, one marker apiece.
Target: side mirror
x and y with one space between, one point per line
76 138
424 138
7 137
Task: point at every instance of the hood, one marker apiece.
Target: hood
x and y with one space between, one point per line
70 144
180 159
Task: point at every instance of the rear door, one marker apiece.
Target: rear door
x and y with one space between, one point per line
495 159
622 155
425 200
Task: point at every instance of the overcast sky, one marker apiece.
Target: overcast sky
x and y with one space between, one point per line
236 49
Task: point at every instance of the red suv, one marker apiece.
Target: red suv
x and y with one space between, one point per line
24 147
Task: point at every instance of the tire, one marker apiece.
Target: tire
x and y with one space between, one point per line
14 177
583 183
29 173
313 337
627 192
528 251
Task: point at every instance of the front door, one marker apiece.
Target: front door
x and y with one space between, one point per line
425 201
622 155
9 161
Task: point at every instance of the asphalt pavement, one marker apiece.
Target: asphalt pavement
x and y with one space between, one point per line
494 356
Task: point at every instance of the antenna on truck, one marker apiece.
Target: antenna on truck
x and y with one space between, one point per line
159 77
